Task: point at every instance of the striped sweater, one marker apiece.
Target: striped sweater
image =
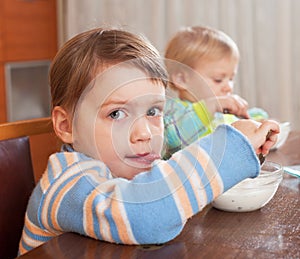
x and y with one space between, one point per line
79 194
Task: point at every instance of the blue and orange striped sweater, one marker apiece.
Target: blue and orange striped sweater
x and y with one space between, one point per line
79 194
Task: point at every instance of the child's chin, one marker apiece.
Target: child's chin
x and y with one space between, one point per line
137 171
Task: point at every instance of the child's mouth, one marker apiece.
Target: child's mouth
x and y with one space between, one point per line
144 159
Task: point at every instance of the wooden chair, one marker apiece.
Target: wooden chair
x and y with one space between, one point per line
43 141
17 176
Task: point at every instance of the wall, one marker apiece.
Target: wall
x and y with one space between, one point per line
267 33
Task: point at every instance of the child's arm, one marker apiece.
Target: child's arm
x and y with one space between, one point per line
232 104
151 208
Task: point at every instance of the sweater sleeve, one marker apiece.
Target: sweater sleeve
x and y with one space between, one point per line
149 209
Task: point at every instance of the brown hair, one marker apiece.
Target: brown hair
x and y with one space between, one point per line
82 57
191 44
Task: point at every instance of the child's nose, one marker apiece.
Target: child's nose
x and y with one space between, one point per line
140 130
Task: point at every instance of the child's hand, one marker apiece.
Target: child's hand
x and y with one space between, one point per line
232 103
261 135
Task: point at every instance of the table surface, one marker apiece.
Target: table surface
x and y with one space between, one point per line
271 232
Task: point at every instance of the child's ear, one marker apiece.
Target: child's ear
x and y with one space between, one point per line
62 124
179 80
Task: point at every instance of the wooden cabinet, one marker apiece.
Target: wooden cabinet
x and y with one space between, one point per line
29 29
3 114
28 32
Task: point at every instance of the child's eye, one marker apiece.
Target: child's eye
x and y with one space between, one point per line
218 81
117 115
154 112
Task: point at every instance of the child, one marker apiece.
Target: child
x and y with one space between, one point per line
215 56
108 182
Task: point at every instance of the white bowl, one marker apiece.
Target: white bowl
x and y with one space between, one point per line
285 128
251 194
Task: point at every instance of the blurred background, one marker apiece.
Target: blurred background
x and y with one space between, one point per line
267 33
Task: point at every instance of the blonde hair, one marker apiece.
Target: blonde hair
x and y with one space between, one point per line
192 44
82 57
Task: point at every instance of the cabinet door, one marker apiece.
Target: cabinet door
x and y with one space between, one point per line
3 117
29 29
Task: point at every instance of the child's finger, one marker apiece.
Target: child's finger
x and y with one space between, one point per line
270 125
268 145
272 129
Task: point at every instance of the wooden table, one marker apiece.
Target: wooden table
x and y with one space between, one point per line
271 232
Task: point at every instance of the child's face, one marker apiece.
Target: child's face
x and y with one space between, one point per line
127 123
219 74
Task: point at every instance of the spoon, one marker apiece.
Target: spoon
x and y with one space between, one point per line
262 157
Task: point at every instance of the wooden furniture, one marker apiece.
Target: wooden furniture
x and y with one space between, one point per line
24 150
42 139
16 185
25 128
28 32
271 232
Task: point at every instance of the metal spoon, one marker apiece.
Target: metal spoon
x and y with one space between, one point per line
262 157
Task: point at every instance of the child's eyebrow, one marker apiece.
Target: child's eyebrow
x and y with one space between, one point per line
120 102
114 102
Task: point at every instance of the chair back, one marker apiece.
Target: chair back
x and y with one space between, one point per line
17 176
25 128
16 185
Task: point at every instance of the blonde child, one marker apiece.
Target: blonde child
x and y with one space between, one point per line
202 63
108 182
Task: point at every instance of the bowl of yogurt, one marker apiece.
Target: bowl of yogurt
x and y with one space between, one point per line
252 193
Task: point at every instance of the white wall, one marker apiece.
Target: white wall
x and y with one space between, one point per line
266 31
